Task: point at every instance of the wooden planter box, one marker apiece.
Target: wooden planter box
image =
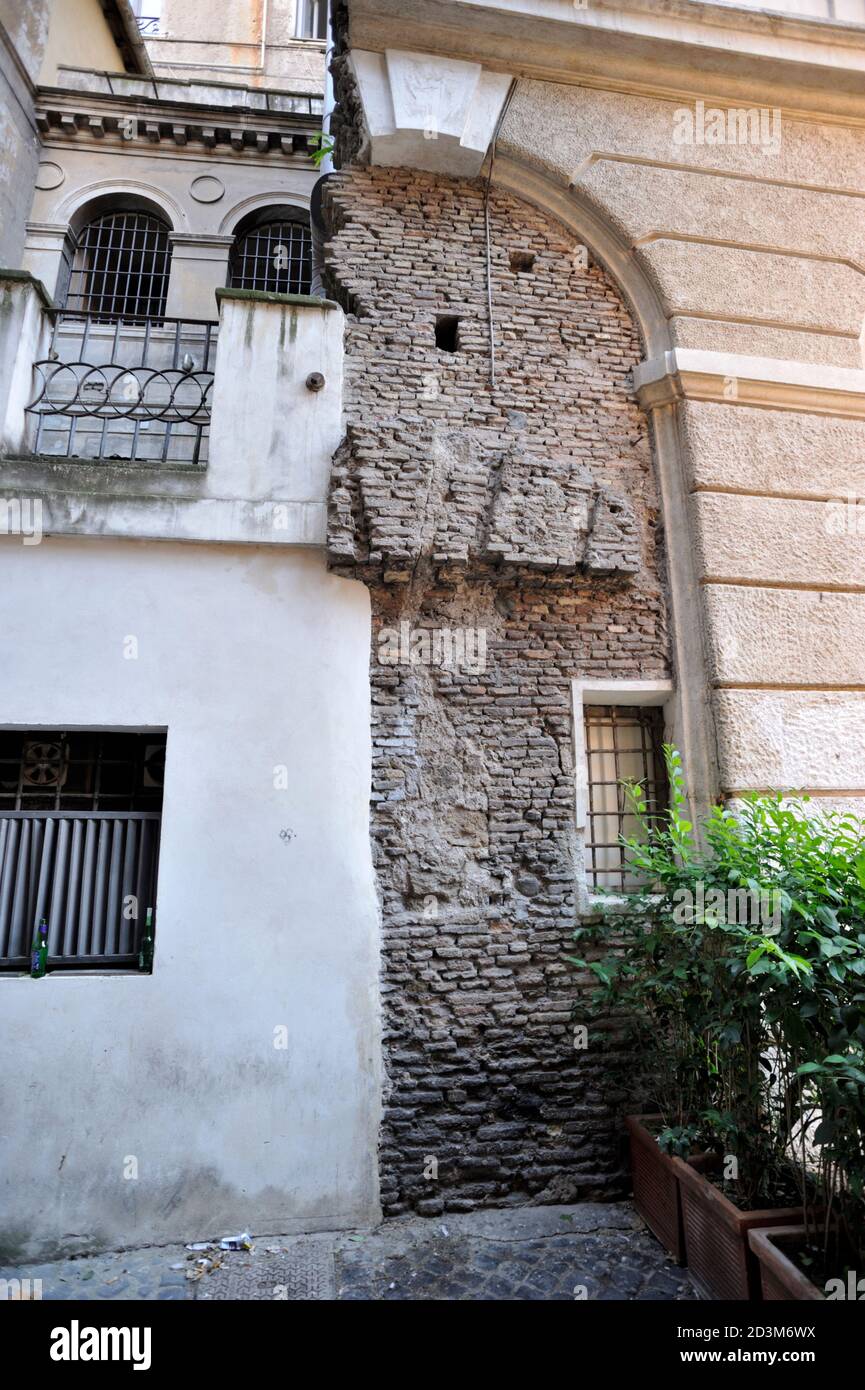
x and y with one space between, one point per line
780 1280
656 1186
720 1259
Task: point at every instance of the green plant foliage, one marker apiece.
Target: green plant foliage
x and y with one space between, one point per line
322 147
739 968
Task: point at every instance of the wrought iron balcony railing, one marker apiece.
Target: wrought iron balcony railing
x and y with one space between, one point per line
124 388
90 874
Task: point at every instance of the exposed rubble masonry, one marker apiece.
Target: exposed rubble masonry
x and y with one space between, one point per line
510 542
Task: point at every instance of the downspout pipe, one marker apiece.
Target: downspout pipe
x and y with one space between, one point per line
316 221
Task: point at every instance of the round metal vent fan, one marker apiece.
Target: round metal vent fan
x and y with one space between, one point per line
44 764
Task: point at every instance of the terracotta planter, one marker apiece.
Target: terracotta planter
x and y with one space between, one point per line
780 1280
656 1185
720 1260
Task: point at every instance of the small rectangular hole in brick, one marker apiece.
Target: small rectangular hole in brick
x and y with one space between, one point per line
522 261
447 332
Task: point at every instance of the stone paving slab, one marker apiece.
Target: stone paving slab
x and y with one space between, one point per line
542 1254
299 1268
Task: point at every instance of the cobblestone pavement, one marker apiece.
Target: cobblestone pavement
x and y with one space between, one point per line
128 1275
541 1254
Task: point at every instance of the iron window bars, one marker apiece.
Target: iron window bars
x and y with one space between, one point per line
80 817
125 389
275 257
120 267
623 744
80 770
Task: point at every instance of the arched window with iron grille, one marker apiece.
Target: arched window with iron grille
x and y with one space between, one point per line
272 252
120 267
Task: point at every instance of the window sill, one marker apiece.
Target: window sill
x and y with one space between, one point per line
78 974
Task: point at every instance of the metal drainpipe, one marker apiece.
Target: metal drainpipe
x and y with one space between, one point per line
329 102
326 167
263 56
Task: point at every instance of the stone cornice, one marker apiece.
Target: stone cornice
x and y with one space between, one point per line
200 239
734 379
136 121
123 24
673 48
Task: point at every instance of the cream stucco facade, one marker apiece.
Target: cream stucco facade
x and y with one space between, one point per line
263 42
78 33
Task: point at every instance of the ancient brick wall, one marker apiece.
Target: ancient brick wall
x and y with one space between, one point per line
510 539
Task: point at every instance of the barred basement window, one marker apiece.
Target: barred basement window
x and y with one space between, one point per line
80 814
311 19
120 267
274 255
623 744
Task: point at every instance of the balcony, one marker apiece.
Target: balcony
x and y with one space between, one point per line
123 390
170 429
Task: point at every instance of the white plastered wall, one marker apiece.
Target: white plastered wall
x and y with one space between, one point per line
253 660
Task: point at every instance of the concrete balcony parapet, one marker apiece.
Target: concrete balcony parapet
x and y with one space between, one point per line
273 416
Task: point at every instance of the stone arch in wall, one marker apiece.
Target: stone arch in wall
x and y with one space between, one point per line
89 200
692 720
86 206
510 537
272 250
117 200
260 202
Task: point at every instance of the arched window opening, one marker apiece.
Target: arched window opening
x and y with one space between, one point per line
120 267
273 253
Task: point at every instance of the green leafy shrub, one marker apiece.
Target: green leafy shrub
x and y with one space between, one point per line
739 967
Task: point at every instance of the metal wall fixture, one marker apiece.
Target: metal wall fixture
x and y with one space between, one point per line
77 870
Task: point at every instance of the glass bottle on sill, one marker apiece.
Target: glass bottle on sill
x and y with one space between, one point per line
145 954
39 954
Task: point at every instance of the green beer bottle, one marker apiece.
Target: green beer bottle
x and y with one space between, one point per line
145 954
39 954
